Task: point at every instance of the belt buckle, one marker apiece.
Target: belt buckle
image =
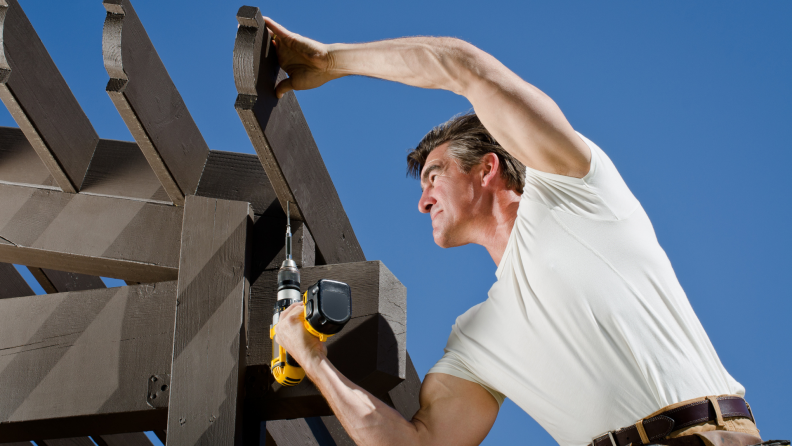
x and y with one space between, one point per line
609 434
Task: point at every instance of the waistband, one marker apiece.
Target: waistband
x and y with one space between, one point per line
659 425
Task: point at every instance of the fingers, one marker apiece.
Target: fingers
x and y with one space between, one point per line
283 87
275 27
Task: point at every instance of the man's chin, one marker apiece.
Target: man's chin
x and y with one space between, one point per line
443 241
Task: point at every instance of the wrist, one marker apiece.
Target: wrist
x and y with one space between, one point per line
336 64
313 362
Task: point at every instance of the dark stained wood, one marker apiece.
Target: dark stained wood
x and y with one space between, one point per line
54 281
285 146
11 282
59 281
404 397
79 441
100 236
370 351
78 363
119 169
239 177
89 354
19 163
207 377
299 432
150 104
134 439
41 103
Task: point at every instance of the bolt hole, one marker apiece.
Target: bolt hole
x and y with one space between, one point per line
164 387
153 396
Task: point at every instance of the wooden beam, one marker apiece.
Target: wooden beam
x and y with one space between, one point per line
285 146
120 170
150 104
41 103
371 350
53 281
11 282
79 363
59 282
93 235
209 342
78 441
133 439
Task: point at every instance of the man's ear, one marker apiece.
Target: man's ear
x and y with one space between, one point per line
490 169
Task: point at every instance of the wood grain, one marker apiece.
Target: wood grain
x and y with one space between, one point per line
87 234
41 103
133 439
58 282
11 282
54 281
207 376
285 146
78 363
149 103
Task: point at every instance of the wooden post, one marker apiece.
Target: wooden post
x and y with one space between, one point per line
209 341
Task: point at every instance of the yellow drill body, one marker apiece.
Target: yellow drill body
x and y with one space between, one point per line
327 307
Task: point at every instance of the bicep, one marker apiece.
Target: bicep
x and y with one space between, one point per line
454 411
525 121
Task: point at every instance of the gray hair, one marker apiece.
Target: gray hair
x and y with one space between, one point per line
469 142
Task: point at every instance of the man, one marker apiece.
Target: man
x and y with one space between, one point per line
586 328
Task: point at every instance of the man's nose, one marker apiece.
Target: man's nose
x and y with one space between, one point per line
426 202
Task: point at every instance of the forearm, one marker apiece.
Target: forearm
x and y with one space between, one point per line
366 419
427 62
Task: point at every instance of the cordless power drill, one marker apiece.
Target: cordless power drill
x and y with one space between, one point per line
327 308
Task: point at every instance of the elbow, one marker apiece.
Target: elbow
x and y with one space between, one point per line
471 66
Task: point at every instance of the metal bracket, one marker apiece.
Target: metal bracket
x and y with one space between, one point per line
158 391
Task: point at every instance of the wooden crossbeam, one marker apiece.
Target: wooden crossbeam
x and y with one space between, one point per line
79 363
11 282
135 439
120 170
101 236
209 343
41 103
53 281
150 104
285 146
91 354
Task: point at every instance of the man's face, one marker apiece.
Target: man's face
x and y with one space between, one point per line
448 197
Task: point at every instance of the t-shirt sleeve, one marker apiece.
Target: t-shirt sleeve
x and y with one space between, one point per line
450 364
602 194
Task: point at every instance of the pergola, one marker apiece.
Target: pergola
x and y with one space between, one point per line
183 350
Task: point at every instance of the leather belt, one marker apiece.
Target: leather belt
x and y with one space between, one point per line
663 424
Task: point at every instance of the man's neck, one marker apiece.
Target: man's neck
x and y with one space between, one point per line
497 230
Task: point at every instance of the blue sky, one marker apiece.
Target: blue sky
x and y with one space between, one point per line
691 100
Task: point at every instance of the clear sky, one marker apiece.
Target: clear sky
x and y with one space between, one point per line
691 100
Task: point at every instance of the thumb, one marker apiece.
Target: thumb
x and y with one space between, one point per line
283 87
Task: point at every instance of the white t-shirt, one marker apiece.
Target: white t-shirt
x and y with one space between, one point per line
587 328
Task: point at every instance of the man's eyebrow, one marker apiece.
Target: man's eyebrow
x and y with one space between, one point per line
427 171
